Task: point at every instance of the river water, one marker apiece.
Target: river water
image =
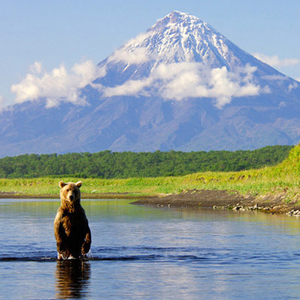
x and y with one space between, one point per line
150 253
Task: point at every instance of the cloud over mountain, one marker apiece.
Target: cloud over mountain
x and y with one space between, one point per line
275 61
135 56
59 85
179 81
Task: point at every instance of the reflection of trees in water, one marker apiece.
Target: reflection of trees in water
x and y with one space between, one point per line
72 278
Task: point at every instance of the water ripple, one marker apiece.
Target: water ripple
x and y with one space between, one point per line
188 254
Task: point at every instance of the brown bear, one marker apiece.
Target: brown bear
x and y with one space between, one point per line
71 228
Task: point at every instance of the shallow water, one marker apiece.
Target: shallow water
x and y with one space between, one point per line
150 253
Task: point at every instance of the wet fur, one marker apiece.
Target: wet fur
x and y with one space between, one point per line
71 228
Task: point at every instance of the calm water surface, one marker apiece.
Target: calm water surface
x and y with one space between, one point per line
150 253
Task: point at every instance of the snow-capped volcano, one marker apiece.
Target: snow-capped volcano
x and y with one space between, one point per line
180 85
180 37
182 57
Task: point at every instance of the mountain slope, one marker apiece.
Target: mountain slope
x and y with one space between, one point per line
180 85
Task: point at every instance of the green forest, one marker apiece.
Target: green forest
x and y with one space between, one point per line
107 164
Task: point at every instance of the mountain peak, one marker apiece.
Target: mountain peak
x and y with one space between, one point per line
177 38
182 37
177 17
192 36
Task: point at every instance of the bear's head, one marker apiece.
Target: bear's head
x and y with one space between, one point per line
70 193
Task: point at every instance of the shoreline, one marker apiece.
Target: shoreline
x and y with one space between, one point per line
195 199
222 200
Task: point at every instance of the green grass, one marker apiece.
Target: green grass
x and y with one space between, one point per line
283 178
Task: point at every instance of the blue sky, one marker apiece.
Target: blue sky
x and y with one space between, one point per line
52 33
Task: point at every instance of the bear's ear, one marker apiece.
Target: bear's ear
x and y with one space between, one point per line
78 184
62 184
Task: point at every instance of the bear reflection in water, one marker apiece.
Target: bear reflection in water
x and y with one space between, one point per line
71 228
72 278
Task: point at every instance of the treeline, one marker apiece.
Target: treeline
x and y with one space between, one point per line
107 164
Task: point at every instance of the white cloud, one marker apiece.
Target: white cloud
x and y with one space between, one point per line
292 86
195 81
129 88
56 86
275 61
179 81
275 77
282 104
134 56
36 68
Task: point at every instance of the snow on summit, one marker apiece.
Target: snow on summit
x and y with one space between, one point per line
180 37
181 32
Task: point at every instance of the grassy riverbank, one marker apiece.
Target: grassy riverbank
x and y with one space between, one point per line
282 179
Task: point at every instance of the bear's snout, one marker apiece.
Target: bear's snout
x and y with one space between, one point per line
71 196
